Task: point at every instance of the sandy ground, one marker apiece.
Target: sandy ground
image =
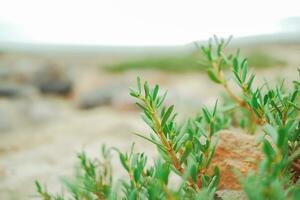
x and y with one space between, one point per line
46 150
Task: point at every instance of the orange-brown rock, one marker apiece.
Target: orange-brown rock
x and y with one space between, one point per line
235 151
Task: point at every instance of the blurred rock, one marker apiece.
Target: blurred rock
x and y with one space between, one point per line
96 97
114 94
52 79
9 90
13 90
61 87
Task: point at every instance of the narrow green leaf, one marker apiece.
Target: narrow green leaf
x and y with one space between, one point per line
250 82
235 64
155 92
138 79
215 108
146 89
244 70
123 160
212 76
167 115
206 115
268 149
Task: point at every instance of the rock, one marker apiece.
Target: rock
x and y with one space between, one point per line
235 151
96 97
60 87
52 80
9 90
13 90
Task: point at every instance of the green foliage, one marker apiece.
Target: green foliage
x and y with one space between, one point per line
93 180
273 178
186 150
277 110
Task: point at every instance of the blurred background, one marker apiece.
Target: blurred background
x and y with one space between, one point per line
66 66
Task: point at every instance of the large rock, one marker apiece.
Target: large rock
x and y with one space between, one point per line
237 151
52 79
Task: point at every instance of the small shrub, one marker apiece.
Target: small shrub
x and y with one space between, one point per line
186 150
277 111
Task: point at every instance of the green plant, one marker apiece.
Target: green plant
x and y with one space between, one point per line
186 150
93 179
276 109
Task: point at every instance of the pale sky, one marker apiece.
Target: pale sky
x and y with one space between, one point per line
139 22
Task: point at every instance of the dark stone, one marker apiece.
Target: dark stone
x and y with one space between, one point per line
9 91
52 79
56 87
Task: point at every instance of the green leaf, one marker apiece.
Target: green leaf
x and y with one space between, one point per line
187 151
206 115
193 173
138 79
133 93
215 108
146 89
281 137
212 75
244 70
254 102
268 149
235 64
249 84
141 106
155 92
123 160
166 115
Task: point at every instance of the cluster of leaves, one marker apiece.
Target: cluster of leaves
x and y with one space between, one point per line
274 109
93 180
186 150
189 148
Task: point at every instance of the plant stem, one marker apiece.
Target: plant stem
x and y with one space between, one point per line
166 143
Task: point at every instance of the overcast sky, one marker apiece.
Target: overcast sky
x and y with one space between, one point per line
138 22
